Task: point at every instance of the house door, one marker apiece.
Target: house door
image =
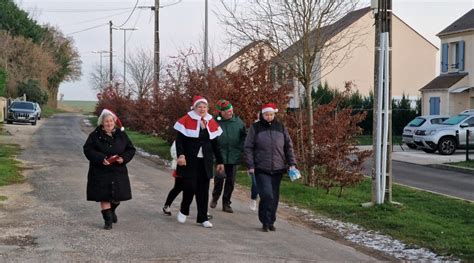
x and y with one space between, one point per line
434 105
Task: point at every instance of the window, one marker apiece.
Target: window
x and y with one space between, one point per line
438 120
452 56
470 122
417 122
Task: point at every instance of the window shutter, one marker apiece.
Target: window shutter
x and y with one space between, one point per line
461 55
444 57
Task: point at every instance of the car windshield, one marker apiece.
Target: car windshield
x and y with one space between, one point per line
23 105
417 122
455 120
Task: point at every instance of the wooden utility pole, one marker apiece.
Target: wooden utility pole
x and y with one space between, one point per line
382 118
156 76
206 41
111 51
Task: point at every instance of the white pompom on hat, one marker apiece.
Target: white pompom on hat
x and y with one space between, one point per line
269 107
118 123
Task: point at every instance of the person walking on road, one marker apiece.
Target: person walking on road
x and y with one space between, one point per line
196 148
108 150
231 144
269 153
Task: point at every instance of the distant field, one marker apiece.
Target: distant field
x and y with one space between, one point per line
78 105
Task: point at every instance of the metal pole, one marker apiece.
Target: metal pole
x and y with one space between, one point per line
124 59
100 65
467 144
110 66
206 43
156 76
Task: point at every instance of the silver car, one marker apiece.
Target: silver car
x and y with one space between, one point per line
447 136
421 122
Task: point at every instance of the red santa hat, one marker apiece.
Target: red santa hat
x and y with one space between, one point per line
104 112
198 99
269 107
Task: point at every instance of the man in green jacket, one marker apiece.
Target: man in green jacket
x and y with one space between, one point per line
231 144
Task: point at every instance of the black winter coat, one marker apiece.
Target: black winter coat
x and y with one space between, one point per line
189 147
108 182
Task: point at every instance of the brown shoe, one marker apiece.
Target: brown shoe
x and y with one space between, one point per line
227 209
213 203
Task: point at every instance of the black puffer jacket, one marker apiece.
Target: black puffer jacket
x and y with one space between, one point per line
268 147
108 182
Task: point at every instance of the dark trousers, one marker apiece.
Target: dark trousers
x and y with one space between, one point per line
230 171
254 190
269 191
179 184
196 186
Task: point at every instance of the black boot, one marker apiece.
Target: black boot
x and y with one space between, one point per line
113 206
107 214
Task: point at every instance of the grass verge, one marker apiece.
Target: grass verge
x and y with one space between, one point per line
149 143
465 164
10 171
367 140
441 224
48 111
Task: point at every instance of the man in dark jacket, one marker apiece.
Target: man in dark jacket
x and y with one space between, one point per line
269 153
231 145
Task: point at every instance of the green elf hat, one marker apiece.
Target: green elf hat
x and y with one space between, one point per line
223 105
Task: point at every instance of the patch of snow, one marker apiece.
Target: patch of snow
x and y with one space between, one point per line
373 239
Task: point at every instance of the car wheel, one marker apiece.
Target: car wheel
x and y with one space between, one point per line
9 122
411 146
446 146
429 150
34 123
39 117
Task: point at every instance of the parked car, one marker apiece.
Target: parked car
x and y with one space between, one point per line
447 136
38 110
22 111
421 122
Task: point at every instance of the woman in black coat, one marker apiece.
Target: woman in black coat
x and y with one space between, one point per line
109 150
196 148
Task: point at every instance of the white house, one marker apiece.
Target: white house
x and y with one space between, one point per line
453 90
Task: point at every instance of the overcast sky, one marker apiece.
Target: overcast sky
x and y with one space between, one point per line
181 26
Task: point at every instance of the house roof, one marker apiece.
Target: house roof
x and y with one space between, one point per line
239 53
464 23
325 33
444 81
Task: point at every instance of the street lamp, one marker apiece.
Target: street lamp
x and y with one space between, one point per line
125 51
100 52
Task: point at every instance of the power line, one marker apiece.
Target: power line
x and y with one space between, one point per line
96 19
86 29
84 10
131 13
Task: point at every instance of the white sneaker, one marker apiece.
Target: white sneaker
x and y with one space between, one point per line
207 224
181 218
253 205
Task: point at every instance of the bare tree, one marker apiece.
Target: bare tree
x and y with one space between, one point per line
99 77
140 67
309 35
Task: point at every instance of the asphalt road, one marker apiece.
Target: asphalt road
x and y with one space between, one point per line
452 183
62 226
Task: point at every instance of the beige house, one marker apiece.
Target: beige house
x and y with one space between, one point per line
352 40
453 90
246 55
